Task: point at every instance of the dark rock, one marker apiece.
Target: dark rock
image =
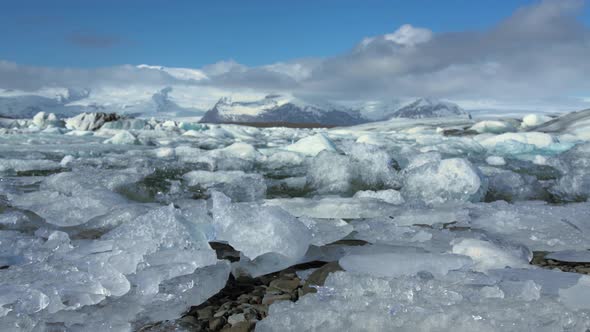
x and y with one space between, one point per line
205 313
236 318
190 320
318 277
216 323
240 327
459 132
271 298
287 286
221 312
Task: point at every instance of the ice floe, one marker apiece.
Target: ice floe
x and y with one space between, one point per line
436 223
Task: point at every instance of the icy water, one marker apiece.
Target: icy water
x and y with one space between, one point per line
111 230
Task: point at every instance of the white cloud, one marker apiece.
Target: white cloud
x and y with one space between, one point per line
409 35
298 70
538 54
537 57
179 73
224 67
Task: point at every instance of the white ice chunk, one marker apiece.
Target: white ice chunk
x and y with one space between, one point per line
537 140
510 186
193 133
281 159
127 124
386 231
533 120
69 210
577 297
548 282
492 292
238 185
151 268
25 165
445 181
390 196
540 160
165 153
45 120
372 167
312 145
487 255
66 160
351 302
574 184
325 231
241 150
364 166
538 226
493 126
406 264
123 137
439 215
333 207
89 121
422 159
495 161
88 179
256 230
330 172
80 133
371 139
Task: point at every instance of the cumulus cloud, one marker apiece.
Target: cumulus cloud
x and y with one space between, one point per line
538 55
404 35
256 77
539 52
409 35
299 70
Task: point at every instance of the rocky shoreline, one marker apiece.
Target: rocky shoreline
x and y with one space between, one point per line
246 300
575 267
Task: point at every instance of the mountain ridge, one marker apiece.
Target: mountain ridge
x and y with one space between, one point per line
285 109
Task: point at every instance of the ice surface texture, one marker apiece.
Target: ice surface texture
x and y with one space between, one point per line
106 222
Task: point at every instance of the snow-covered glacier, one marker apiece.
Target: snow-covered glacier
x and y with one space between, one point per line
110 223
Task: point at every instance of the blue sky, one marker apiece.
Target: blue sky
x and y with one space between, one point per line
87 34
484 54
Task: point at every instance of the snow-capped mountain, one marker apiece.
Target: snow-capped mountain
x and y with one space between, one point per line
177 101
286 109
428 108
160 105
377 110
281 109
19 105
67 103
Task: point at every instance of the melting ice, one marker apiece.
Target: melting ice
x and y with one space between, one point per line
106 223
